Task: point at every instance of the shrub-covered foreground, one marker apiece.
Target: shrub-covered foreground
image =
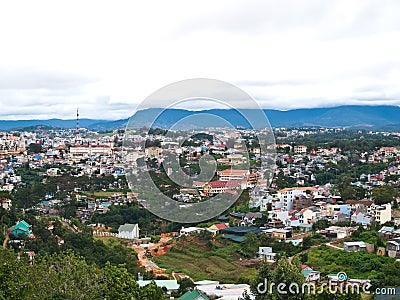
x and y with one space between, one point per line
67 276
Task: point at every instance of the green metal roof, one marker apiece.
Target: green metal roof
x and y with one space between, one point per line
235 238
22 224
307 272
193 295
241 230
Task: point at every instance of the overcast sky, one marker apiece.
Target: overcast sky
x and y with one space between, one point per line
106 57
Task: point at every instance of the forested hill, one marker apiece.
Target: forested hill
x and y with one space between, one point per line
376 117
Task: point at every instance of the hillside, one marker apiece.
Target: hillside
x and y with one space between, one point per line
364 117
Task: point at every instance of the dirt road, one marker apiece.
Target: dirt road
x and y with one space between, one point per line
145 262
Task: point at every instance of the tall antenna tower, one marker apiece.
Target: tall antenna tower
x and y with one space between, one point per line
77 134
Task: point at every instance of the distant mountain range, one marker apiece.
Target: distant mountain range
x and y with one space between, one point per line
384 117
58 123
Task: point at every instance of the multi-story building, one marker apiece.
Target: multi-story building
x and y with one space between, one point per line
229 174
219 186
381 213
286 196
152 152
85 151
300 149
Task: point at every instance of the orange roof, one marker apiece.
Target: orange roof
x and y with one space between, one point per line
306 188
236 172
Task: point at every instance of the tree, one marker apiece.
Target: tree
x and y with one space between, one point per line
64 276
260 286
249 246
68 276
307 242
34 148
383 195
289 274
151 292
325 294
265 286
321 224
395 204
58 276
11 286
118 283
343 186
185 285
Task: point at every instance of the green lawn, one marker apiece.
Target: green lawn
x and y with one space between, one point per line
100 194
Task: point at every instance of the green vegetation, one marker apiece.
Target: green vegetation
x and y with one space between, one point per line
149 224
224 260
384 194
68 276
347 140
95 251
382 271
201 259
100 194
284 273
34 148
370 236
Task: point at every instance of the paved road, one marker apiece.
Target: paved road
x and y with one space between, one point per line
333 246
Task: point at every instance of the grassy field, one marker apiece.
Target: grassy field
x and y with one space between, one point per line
218 263
100 194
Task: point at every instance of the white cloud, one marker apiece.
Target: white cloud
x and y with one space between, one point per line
105 57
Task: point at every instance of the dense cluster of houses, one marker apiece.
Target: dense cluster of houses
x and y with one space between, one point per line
304 205
288 209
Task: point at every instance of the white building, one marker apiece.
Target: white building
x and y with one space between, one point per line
354 246
6 203
279 215
307 216
300 149
190 230
266 253
85 151
286 196
382 213
128 231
